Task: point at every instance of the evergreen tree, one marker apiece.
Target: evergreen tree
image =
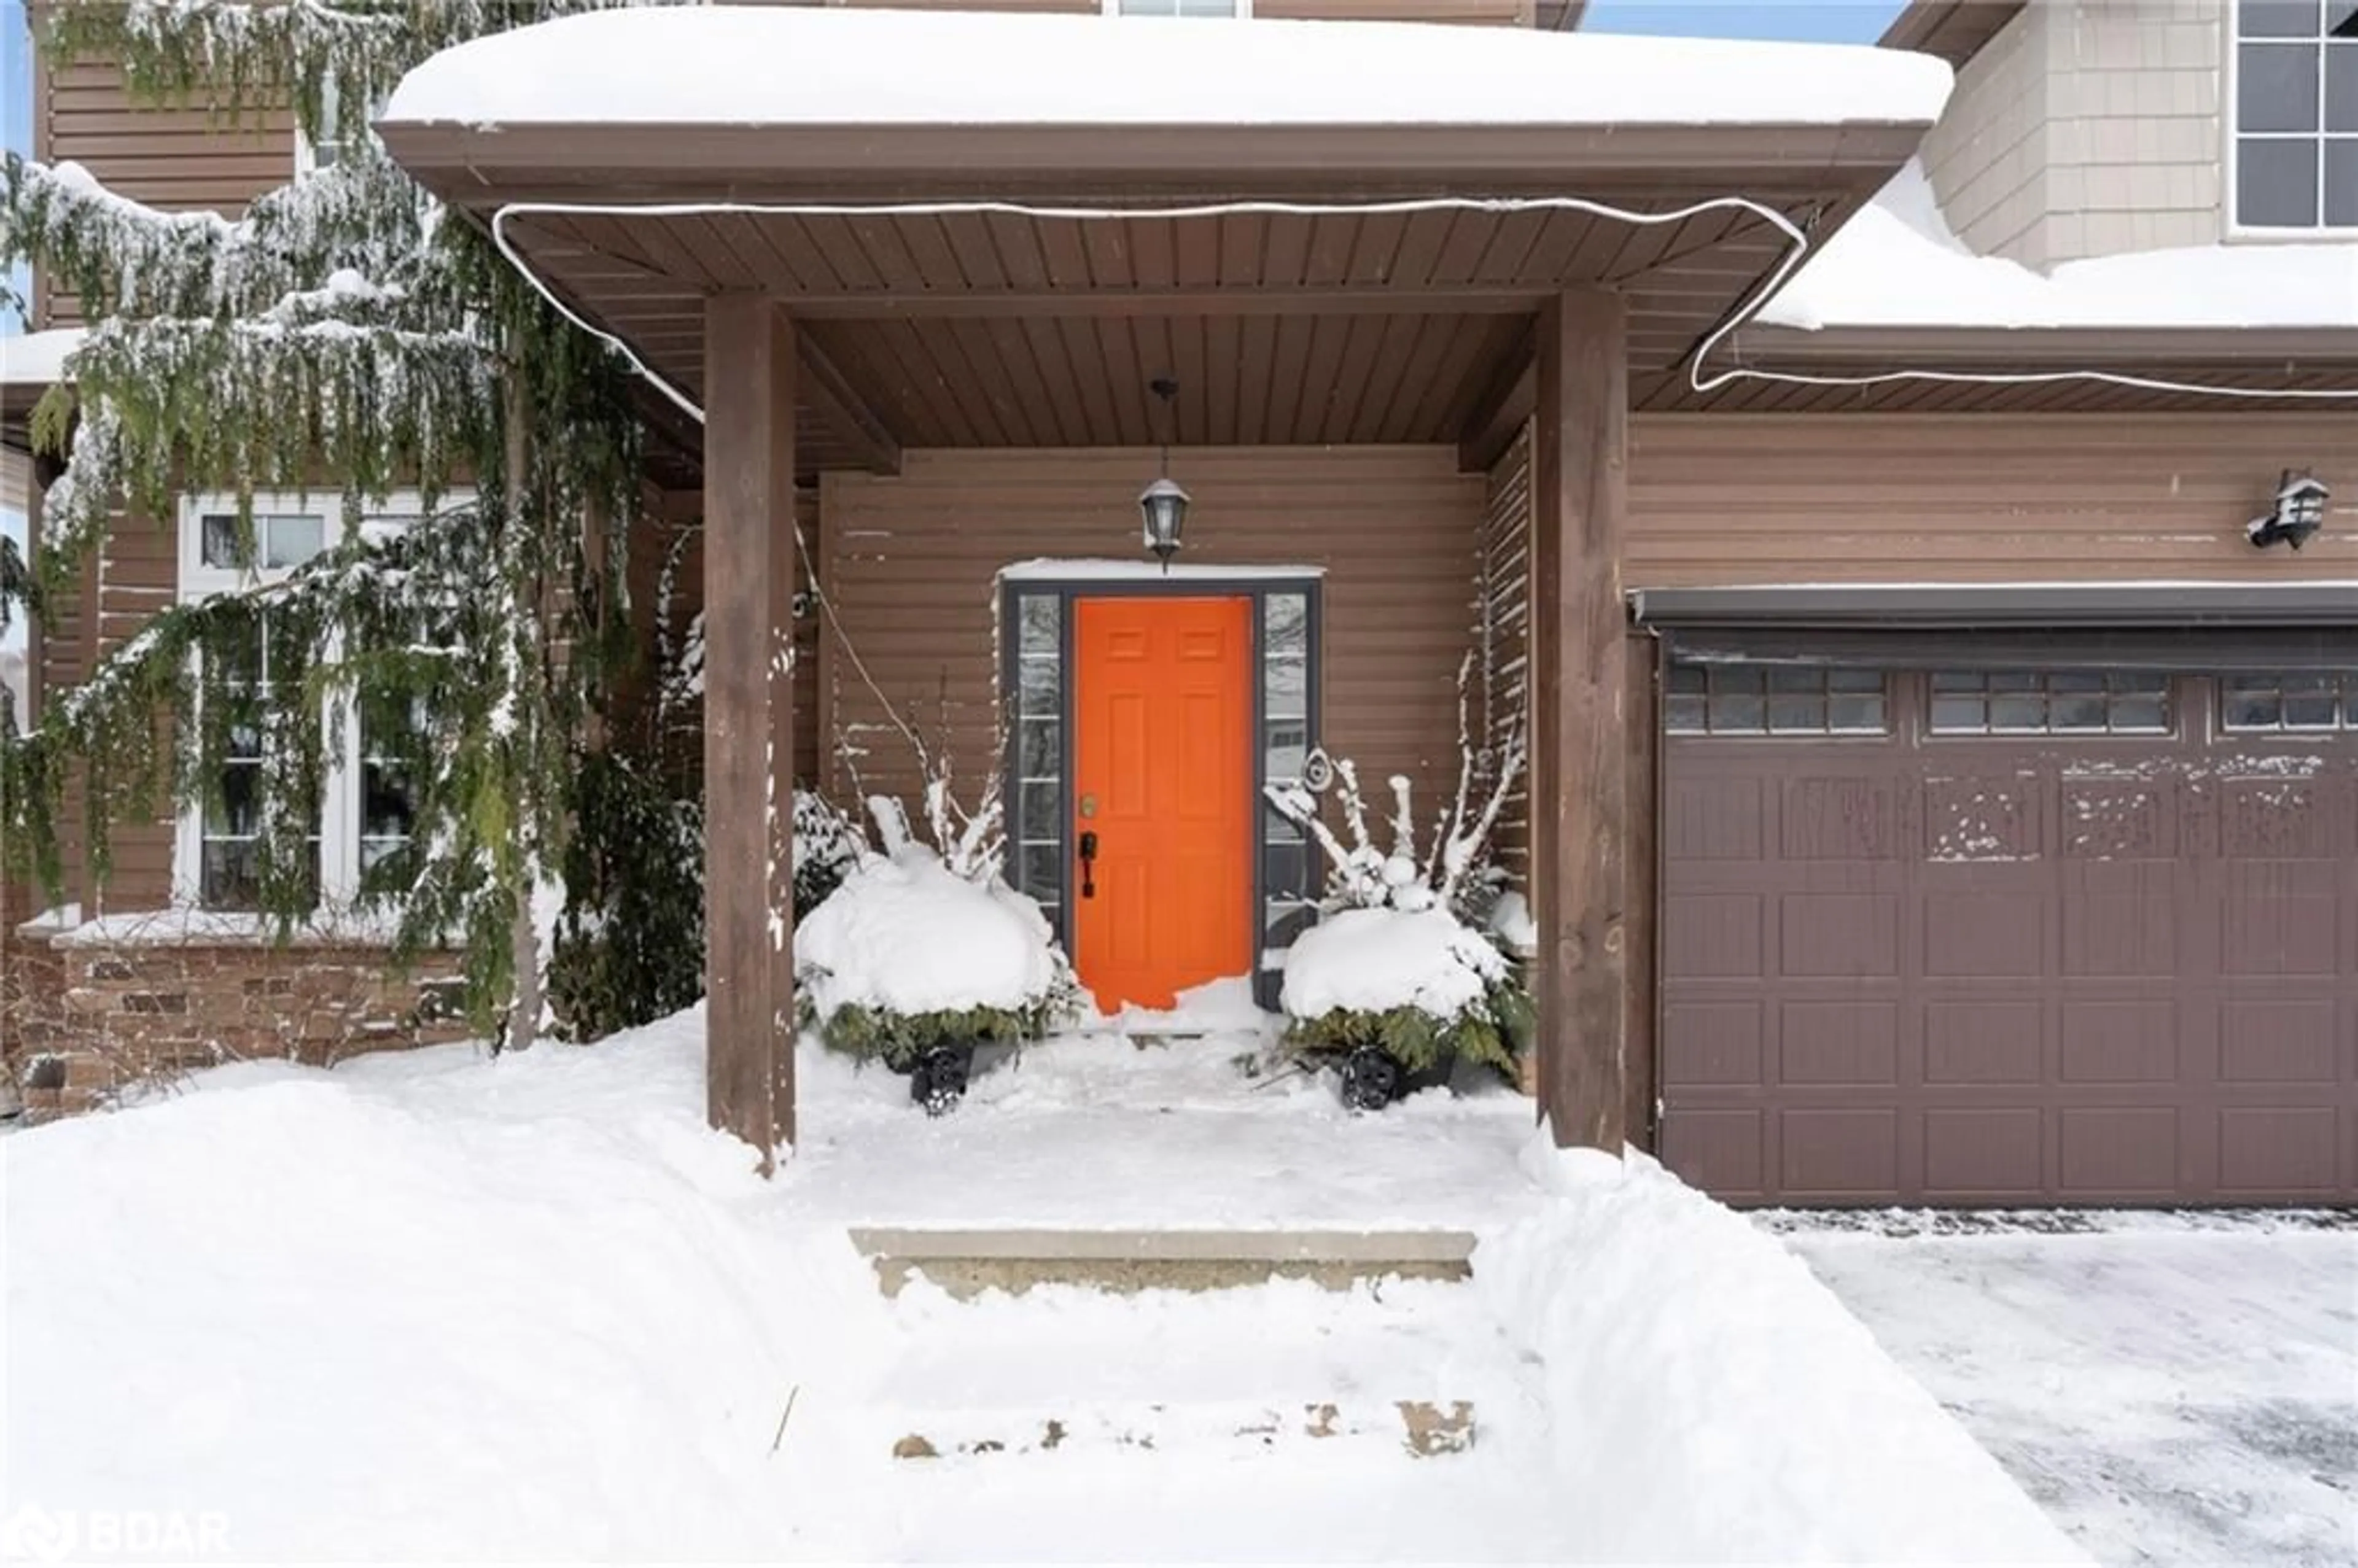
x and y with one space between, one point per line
345 334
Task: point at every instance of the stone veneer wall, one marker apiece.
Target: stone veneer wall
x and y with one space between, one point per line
88 1021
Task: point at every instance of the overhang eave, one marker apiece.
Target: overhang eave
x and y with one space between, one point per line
482 167
2125 348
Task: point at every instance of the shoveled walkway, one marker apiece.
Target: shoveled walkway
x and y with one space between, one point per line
2173 1392
1175 1124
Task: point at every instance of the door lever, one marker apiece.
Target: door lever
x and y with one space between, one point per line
1088 865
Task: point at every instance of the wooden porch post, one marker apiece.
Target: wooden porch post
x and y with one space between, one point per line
749 584
1579 700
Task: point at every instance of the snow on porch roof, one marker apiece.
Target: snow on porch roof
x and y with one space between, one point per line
793 65
37 359
1897 263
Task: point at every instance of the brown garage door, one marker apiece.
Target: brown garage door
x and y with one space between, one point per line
2011 936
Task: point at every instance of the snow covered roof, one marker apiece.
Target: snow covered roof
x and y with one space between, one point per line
1897 264
794 65
37 359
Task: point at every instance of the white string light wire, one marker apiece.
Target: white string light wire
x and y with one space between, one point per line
1799 243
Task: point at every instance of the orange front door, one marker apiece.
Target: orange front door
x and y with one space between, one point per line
1162 708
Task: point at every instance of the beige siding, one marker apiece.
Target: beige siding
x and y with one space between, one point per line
911 562
1986 156
2134 137
1978 498
2088 128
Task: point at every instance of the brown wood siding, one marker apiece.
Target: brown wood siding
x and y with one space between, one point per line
911 562
179 159
1502 686
1977 498
677 517
137 573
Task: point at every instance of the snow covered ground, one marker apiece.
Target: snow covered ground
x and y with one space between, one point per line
2172 1392
431 1304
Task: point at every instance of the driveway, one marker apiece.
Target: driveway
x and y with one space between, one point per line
2172 1390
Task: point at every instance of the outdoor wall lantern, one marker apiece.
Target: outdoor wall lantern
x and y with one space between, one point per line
2298 512
1163 504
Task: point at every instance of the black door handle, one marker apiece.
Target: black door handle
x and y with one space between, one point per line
1088 865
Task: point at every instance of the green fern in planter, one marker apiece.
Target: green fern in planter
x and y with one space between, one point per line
900 1039
1494 1031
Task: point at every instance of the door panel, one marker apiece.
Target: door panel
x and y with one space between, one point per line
1162 711
2008 961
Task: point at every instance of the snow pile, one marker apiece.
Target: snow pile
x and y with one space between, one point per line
1897 264
1216 1006
536 1291
1717 1402
904 934
528 1308
721 65
1372 960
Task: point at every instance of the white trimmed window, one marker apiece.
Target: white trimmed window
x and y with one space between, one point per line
1217 8
363 812
2295 115
329 150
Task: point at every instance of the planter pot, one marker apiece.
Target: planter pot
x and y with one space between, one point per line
938 1080
1372 1079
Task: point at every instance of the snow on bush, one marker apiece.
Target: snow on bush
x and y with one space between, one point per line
1718 1404
1372 960
1395 963
907 953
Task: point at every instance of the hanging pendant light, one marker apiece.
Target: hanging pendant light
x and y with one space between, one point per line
1162 504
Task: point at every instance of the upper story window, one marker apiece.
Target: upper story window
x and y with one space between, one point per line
359 824
1227 8
2296 114
330 149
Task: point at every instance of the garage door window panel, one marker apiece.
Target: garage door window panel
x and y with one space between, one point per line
2315 702
2050 702
1753 699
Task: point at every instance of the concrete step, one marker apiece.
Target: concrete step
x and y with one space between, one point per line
965 1263
1418 1428
1394 1366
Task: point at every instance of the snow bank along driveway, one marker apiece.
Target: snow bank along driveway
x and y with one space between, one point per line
432 1305
2175 1390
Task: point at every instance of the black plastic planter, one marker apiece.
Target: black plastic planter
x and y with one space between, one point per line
1372 1079
937 1080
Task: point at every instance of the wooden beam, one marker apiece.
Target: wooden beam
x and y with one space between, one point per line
749 584
827 394
1498 417
1580 694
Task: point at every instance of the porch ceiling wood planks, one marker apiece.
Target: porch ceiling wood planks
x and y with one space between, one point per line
1011 329
968 329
